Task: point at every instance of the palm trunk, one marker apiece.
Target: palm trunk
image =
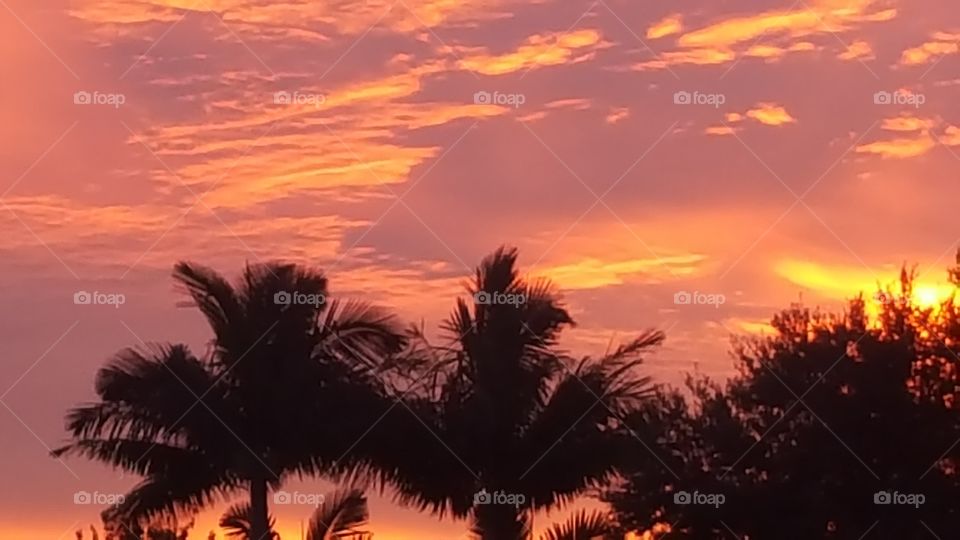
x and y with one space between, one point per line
259 520
500 522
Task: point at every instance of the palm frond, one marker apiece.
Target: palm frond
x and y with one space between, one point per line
340 517
173 496
360 333
236 520
614 378
543 314
575 436
496 521
153 395
263 287
581 526
213 295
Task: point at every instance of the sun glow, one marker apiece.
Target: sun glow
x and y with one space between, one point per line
842 283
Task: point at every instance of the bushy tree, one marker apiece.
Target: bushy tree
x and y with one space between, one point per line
837 425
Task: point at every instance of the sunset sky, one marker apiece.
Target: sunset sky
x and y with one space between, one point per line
762 150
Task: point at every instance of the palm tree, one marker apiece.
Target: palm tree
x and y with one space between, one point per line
287 386
510 418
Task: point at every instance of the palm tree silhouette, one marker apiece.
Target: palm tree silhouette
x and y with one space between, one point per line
286 388
510 419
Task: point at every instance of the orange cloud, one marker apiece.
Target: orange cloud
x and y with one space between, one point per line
718 42
593 273
771 114
577 104
951 136
256 150
152 235
942 44
617 114
858 50
769 52
907 123
802 46
537 51
819 17
902 148
720 130
698 57
672 24
922 139
292 19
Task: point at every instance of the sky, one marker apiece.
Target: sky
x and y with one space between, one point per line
690 166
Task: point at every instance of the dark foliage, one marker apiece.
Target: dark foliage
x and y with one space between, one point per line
828 417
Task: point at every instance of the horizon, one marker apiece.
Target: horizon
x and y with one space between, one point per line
688 167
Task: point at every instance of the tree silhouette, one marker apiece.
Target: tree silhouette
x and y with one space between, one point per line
834 428
510 424
287 387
